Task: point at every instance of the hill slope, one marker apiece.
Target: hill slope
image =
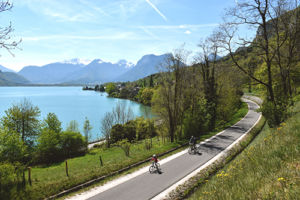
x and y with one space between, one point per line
11 78
4 69
50 73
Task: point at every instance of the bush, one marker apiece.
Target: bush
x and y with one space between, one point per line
12 149
73 144
125 146
269 110
130 131
11 176
49 148
117 133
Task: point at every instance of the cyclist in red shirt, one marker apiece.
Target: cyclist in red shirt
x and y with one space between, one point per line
155 161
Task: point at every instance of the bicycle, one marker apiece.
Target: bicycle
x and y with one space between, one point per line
193 149
154 168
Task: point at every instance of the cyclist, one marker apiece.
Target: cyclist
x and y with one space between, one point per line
155 161
193 143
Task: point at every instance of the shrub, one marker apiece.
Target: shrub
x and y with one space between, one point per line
73 144
130 131
12 149
269 110
117 133
11 176
125 146
49 148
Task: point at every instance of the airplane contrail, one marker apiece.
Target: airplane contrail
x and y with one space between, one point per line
156 9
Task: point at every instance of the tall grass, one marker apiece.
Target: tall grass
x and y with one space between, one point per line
269 168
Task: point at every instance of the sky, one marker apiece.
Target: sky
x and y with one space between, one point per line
110 30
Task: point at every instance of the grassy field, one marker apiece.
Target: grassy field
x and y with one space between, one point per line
52 179
49 180
269 168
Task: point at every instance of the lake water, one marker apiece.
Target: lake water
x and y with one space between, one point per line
68 103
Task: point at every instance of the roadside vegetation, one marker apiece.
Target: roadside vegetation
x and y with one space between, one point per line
269 168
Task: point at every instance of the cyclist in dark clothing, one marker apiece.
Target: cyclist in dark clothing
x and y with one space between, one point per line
193 142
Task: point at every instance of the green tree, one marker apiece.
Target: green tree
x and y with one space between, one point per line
117 133
208 64
102 89
151 84
130 131
22 118
12 148
110 88
168 100
87 129
52 123
49 146
145 96
274 44
73 144
196 120
141 128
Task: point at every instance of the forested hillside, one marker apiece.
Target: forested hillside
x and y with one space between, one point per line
11 78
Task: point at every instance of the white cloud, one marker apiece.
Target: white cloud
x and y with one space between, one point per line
183 26
187 32
156 9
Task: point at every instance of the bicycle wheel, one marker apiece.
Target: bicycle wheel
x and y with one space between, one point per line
158 167
191 151
151 169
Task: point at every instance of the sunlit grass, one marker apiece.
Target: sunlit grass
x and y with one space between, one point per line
52 179
269 168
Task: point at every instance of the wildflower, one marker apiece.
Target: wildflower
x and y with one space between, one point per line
280 179
283 124
279 128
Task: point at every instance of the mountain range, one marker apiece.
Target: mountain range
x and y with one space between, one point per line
75 71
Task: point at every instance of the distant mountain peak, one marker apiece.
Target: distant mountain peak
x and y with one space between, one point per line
125 63
77 61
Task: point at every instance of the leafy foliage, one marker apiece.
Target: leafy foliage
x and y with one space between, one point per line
52 123
22 118
12 148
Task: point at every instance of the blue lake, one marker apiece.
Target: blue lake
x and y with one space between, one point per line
68 103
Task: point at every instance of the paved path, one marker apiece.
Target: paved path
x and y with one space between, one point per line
147 186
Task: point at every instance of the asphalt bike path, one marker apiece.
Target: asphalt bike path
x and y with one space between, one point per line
147 186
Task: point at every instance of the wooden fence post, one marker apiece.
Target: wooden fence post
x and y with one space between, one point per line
67 170
101 162
29 175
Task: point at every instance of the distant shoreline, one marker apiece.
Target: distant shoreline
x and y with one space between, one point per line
45 85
